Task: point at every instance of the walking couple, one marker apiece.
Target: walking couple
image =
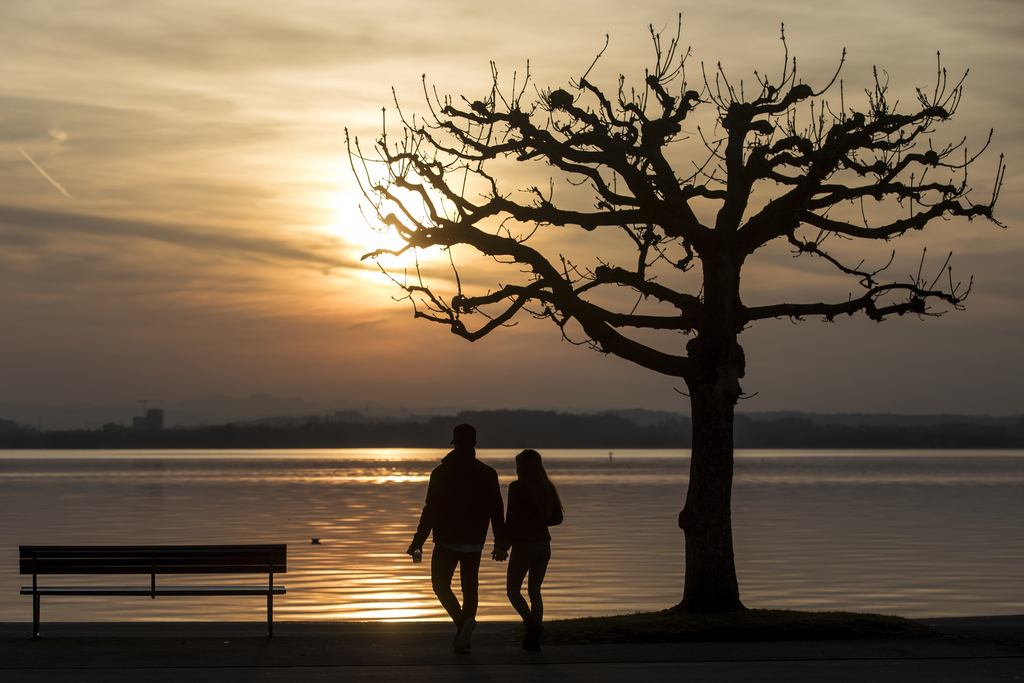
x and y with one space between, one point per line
463 497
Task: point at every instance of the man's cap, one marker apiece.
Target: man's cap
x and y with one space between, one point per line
463 432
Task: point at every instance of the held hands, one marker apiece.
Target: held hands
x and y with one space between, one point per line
499 555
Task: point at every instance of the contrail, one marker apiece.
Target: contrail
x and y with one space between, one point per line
45 174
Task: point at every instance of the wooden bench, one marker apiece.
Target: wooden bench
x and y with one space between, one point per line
154 560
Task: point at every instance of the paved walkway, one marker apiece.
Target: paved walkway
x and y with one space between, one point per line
976 649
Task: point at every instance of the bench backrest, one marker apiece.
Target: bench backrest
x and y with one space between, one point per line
153 559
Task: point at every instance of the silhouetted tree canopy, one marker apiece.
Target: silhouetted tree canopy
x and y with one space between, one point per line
633 236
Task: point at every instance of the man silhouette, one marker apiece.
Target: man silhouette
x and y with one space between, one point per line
462 498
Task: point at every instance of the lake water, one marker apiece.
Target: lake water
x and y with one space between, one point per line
913 533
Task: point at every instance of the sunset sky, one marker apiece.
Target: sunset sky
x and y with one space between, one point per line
178 218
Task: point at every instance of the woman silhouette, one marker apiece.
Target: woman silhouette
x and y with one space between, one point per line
533 506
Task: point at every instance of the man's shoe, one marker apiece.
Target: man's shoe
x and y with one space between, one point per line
462 640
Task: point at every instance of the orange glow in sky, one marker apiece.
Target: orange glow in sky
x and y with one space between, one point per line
178 217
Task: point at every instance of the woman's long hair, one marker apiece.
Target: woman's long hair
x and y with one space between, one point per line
538 486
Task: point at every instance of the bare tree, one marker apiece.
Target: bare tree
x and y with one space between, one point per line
688 227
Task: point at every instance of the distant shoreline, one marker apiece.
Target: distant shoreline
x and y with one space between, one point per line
531 429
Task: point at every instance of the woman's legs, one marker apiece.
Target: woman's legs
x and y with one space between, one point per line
528 558
518 566
531 558
538 568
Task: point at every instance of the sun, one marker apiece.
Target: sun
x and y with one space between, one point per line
356 228
361 234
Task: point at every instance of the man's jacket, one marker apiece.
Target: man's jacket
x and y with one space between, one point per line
462 498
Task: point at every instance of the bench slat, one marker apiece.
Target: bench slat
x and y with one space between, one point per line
168 560
145 550
197 559
68 568
146 590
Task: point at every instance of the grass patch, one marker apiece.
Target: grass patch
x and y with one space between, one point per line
752 625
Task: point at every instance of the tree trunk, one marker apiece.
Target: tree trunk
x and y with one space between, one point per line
714 389
706 518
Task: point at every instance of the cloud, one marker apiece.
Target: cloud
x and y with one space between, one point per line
202 239
237 38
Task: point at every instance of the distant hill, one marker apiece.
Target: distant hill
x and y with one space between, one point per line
516 429
497 429
886 419
212 410
810 430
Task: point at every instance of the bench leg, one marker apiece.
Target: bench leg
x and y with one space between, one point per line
270 615
35 616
